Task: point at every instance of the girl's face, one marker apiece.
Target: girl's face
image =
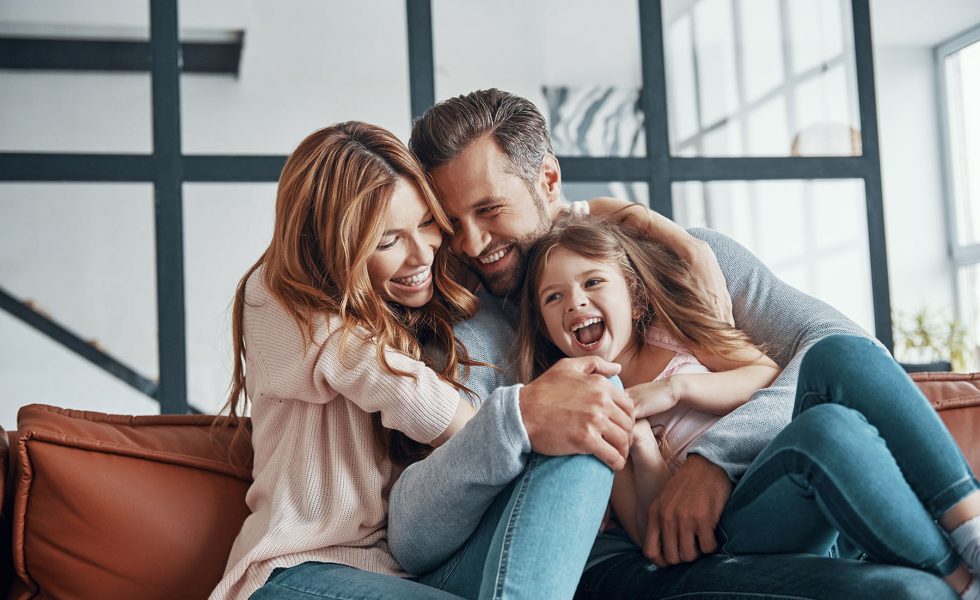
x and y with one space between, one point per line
585 305
400 267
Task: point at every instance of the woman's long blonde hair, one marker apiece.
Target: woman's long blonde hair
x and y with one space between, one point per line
331 203
660 283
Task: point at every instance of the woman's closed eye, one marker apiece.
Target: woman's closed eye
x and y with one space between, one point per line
427 222
386 245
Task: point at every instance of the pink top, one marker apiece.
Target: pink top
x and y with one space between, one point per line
682 424
320 491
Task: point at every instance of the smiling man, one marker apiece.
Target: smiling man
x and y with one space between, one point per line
491 160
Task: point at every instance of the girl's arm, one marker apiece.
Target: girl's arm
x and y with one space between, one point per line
731 385
695 252
639 483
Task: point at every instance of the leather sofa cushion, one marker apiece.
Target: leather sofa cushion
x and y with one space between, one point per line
956 396
124 507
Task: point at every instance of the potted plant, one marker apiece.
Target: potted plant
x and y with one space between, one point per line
925 341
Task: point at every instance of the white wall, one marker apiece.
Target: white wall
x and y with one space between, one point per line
911 170
85 253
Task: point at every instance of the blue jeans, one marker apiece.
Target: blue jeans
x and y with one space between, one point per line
865 456
532 542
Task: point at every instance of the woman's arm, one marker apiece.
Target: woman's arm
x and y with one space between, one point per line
464 412
695 252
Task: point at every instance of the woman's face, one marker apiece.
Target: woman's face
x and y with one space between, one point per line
400 267
585 305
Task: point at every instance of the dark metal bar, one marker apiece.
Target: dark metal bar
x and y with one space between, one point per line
864 55
587 168
654 101
75 167
213 168
49 54
751 168
69 340
421 65
169 205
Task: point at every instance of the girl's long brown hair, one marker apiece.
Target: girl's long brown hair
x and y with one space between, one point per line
332 198
661 284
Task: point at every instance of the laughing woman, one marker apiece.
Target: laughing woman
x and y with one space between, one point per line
328 327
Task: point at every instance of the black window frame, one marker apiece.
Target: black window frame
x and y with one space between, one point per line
168 168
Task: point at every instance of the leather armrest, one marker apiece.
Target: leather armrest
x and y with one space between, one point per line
6 500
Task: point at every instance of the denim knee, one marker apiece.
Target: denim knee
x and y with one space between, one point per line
829 431
834 352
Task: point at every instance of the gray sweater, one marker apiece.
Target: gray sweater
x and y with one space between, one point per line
437 503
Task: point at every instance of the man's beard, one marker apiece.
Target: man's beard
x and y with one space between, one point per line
508 283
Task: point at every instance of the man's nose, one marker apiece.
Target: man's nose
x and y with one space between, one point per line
468 240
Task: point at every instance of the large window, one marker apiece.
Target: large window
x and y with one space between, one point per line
755 117
958 68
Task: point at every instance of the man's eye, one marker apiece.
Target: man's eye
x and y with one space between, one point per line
488 210
386 245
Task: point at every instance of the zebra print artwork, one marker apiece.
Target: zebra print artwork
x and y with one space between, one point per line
597 121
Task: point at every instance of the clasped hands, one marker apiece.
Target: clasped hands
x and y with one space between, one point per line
574 409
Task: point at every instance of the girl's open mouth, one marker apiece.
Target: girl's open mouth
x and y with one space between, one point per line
588 333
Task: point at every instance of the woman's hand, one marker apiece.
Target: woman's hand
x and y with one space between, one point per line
654 397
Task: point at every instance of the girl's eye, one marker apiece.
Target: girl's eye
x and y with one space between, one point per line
426 223
385 246
592 282
551 297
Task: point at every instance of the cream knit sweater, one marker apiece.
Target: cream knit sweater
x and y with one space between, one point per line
320 492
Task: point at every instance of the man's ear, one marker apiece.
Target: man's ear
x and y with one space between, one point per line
550 179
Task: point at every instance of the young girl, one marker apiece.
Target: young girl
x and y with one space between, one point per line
647 315
865 456
328 327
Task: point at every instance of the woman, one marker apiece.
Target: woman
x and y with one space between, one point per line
328 326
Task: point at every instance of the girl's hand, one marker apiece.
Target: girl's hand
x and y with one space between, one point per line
654 397
643 434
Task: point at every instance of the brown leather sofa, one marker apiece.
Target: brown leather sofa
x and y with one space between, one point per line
108 506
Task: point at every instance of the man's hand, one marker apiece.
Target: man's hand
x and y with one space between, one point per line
573 409
684 515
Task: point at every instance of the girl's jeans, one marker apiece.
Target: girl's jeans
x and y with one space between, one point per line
532 542
865 456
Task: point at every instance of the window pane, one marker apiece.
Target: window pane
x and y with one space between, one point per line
226 229
631 191
969 288
580 66
303 66
778 77
812 234
98 280
47 111
963 98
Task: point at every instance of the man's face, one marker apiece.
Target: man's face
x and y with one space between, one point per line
495 214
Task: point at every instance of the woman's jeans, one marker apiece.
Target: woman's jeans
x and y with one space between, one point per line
532 542
865 456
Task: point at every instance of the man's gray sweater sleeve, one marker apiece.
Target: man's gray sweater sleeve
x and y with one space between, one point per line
437 503
787 322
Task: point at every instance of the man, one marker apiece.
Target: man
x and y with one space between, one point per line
490 157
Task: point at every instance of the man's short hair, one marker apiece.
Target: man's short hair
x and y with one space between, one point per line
518 127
